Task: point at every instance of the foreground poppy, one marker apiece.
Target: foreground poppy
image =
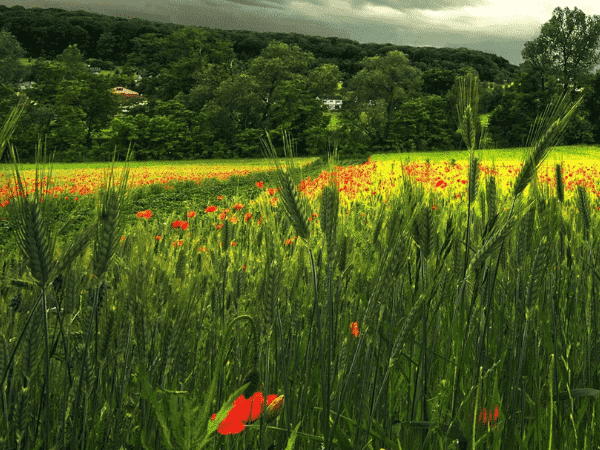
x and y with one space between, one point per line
246 411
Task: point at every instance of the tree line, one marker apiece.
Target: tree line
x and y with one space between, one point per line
212 93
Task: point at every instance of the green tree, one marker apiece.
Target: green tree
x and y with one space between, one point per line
11 69
68 133
162 134
592 105
438 81
389 81
523 100
71 64
421 124
569 44
106 46
174 61
276 92
209 80
93 94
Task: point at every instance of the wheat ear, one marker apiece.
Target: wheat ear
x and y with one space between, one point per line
550 129
294 205
107 232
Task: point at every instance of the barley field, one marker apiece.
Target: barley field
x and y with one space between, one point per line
393 304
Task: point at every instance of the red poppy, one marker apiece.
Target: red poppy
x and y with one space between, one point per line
145 214
246 411
180 223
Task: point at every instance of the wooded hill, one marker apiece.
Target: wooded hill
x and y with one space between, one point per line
212 93
47 32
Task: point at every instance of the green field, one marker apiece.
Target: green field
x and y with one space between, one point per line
452 309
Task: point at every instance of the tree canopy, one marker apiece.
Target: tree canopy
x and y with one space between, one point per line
212 93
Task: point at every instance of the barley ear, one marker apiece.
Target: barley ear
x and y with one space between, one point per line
494 242
549 130
473 177
32 235
74 250
467 108
491 197
107 210
330 206
538 270
293 203
560 187
584 210
330 202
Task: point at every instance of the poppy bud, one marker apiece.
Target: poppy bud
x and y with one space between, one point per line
273 409
252 377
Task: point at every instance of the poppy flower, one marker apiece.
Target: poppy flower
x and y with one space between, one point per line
211 209
180 223
145 214
246 411
354 326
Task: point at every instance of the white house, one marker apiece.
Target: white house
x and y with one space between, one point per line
332 104
335 104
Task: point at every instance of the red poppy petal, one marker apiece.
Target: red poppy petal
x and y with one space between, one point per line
257 407
232 427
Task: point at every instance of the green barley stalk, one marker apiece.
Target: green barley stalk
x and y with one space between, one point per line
4 365
36 246
546 132
467 108
584 210
560 187
551 382
293 203
107 240
207 427
108 233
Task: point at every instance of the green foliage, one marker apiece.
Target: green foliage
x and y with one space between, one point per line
11 69
423 125
438 81
567 45
211 93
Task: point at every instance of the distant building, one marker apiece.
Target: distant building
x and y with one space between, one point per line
94 70
25 85
332 104
335 104
125 92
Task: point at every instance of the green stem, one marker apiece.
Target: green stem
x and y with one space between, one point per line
46 373
205 415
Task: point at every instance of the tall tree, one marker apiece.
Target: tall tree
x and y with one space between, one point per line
174 61
11 69
389 81
568 45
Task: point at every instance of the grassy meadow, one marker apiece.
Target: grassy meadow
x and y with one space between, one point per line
395 304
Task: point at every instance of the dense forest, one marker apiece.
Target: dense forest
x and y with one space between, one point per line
209 93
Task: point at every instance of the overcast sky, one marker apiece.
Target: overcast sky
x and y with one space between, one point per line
496 26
